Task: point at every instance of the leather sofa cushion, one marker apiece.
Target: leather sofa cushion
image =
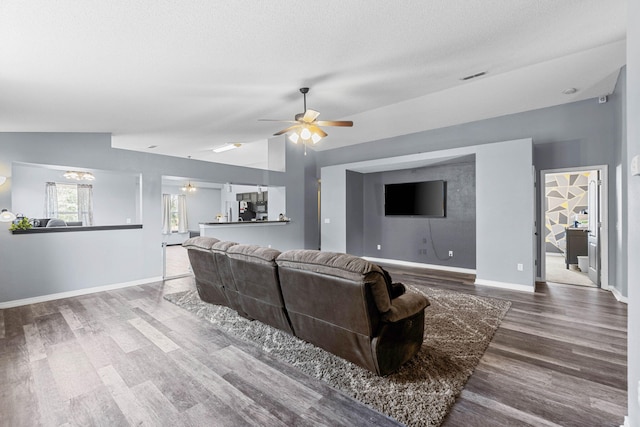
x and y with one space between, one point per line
200 242
254 253
222 246
341 265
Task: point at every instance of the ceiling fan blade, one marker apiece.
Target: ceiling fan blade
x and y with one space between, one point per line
346 123
317 130
310 116
289 129
276 120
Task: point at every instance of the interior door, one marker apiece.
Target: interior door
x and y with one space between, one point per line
593 236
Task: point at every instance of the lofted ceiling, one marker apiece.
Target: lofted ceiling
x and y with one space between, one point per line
183 77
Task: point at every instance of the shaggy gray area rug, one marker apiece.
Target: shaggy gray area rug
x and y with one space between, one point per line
458 329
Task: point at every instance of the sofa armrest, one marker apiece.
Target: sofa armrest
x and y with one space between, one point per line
405 306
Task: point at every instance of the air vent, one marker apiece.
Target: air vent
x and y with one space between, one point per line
473 76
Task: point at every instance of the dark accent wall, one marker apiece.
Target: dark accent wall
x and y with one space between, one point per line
421 239
355 213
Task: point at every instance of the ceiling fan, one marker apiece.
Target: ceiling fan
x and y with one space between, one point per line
306 128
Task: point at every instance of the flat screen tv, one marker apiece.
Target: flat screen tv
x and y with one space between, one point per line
427 198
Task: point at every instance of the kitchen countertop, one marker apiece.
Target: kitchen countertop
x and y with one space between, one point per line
244 222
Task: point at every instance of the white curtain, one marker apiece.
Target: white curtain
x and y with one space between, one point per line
182 214
50 200
85 204
166 213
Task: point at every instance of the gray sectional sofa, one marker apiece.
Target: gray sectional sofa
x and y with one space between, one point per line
339 302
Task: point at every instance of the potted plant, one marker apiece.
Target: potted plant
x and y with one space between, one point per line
20 224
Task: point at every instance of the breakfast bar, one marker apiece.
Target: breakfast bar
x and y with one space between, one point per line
255 232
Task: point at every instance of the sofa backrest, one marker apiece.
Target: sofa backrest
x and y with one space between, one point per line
255 271
255 275
219 251
204 268
341 289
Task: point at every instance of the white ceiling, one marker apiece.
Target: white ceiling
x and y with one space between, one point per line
187 76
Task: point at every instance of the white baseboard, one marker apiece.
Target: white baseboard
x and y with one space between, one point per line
616 293
482 282
626 422
504 285
420 265
78 292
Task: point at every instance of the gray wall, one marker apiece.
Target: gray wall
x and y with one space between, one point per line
312 202
505 201
424 240
572 135
202 205
620 99
98 258
632 193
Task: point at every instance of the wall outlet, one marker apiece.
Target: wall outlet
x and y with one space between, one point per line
327 220
379 247
450 254
520 267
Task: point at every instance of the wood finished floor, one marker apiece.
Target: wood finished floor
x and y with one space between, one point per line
128 357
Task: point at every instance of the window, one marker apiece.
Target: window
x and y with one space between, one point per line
68 202
174 216
174 213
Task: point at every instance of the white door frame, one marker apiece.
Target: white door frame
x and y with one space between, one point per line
604 217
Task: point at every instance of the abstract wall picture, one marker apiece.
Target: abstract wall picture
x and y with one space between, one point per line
566 195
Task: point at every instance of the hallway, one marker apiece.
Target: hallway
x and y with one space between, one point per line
556 272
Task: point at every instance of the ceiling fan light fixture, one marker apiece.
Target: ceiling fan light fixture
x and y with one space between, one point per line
306 128
305 133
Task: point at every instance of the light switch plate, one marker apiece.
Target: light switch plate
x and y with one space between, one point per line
635 165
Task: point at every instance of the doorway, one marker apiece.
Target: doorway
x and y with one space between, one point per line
574 212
